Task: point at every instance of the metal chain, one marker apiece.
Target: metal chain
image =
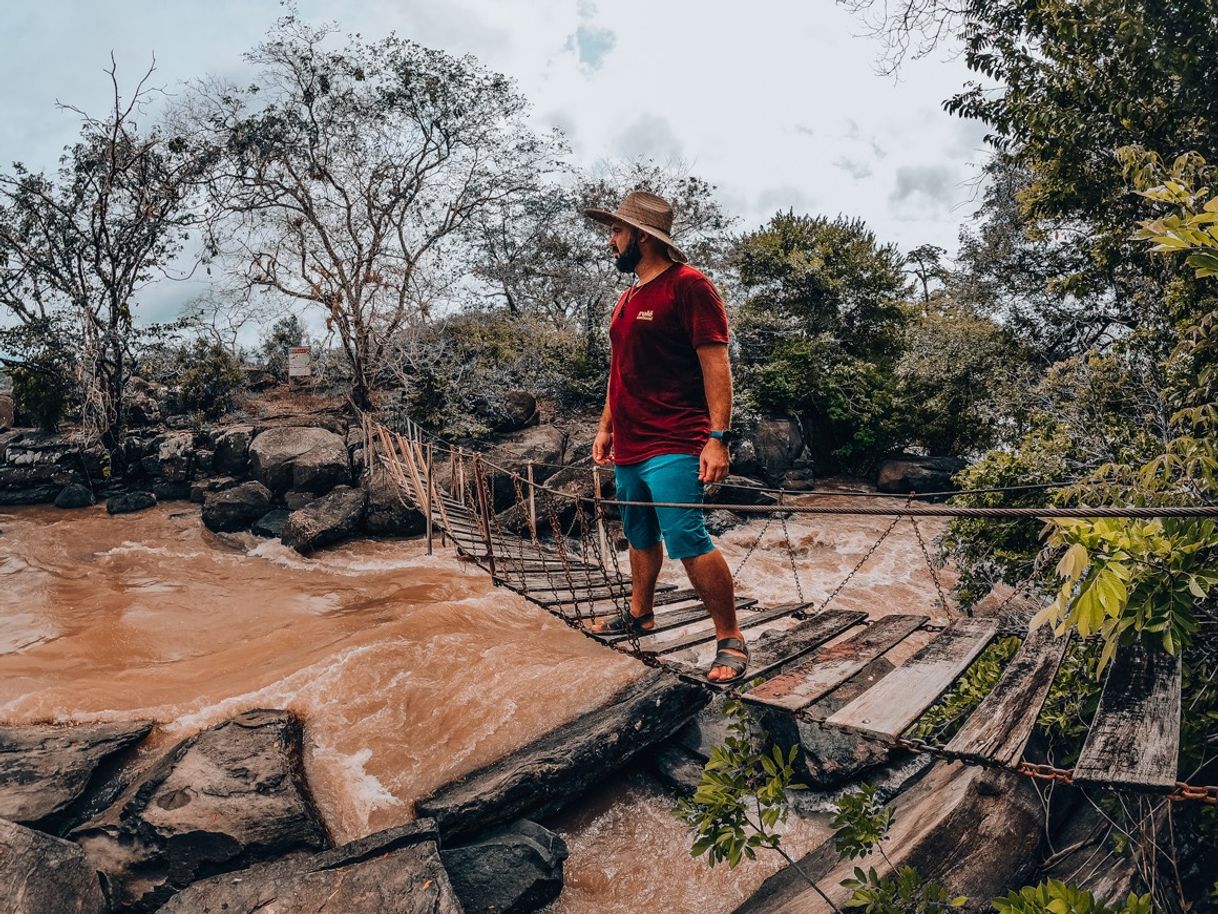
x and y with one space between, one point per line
855 570
799 590
757 542
934 574
560 544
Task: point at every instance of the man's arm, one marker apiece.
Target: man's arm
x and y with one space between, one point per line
717 381
602 446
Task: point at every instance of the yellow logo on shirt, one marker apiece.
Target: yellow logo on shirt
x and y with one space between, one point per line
645 315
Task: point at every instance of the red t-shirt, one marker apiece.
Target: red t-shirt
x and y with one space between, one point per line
656 394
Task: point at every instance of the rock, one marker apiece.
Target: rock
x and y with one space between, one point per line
391 872
719 522
74 496
770 449
918 474
200 489
44 875
142 410
45 768
128 502
543 776
297 500
235 508
220 800
7 411
738 490
543 445
1085 838
387 514
515 410
516 870
327 520
271 523
205 461
172 458
679 768
275 453
171 491
571 481
232 447
37 465
830 756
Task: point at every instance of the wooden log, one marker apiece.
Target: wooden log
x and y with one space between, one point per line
829 667
1001 725
900 698
1135 737
652 645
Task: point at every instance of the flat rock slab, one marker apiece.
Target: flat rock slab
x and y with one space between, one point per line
327 520
220 800
44 875
392 872
546 774
516 870
44 768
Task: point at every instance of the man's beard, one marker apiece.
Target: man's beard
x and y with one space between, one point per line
629 258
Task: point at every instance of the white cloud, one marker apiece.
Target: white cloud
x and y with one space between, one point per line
649 135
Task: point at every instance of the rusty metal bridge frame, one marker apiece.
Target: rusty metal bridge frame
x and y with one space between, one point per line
1132 743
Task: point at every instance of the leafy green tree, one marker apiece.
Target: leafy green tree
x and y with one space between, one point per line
284 334
350 172
1054 897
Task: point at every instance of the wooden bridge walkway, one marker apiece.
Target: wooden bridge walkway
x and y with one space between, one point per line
1133 741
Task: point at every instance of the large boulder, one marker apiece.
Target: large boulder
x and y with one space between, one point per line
271 523
543 445
770 449
45 768
218 801
397 871
738 490
44 875
549 772
327 520
573 489
237 507
74 496
515 870
232 448
910 474
130 502
296 457
387 512
7 411
514 410
172 458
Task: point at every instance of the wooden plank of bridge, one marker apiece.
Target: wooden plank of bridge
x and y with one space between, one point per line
651 645
829 667
784 647
999 729
897 700
1135 737
675 619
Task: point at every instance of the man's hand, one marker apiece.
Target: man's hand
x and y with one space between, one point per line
713 463
602 448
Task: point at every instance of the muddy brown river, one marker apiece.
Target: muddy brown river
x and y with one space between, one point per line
408 670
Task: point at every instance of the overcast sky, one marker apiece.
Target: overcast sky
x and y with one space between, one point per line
776 102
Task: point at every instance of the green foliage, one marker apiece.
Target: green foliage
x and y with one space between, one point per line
941 720
1054 897
1070 705
906 892
284 334
204 373
860 822
44 382
742 796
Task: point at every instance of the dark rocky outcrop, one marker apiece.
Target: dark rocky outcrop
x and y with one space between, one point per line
549 772
542 445
271 523
909 474
45 768
235 508
387 513
770 449
129 502
37 465
398 871
327 520
515 870
220 800
171 458
200 489
232 447
74 496
297 457
7 410
297 500
515 410
44 875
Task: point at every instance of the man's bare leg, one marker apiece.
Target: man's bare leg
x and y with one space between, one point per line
645 565
710 576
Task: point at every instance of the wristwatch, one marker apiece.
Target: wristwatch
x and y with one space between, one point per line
725 437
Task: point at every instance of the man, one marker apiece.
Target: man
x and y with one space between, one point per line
667 416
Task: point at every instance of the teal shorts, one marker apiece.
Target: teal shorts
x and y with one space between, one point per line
667 477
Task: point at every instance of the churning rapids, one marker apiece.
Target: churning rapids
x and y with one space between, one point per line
408 670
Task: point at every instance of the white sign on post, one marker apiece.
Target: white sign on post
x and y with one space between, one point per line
299 363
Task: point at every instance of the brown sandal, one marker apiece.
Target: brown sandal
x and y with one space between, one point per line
737 664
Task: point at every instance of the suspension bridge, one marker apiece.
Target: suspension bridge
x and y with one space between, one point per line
562 561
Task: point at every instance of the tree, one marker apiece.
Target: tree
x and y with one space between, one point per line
925 263
80 246
350 172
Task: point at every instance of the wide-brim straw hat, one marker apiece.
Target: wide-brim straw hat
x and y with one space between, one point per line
647 213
